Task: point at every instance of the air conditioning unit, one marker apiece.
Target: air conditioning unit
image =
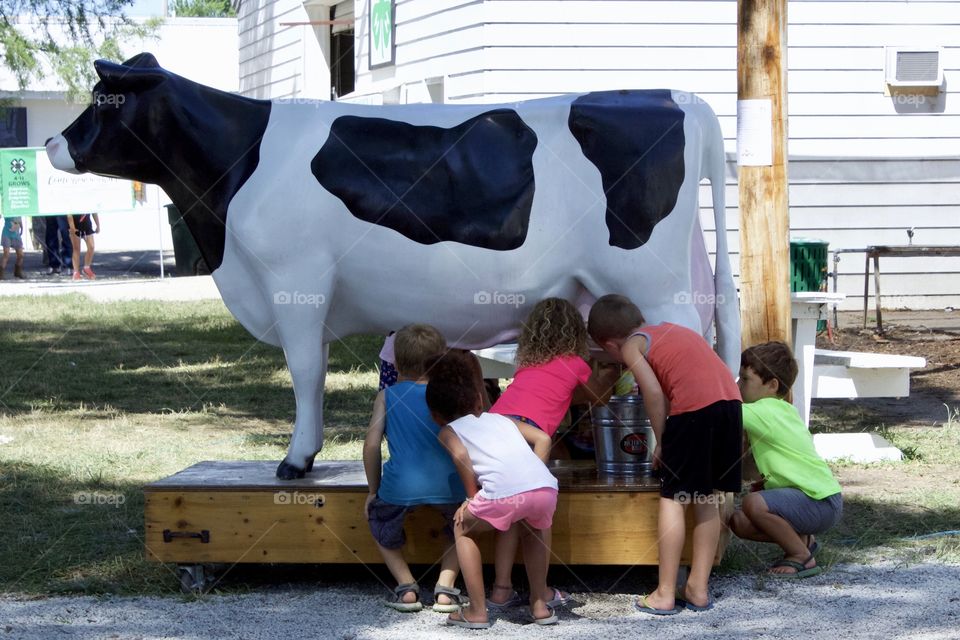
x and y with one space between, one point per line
914 70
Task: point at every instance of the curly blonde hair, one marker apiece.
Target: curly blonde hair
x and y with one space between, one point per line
554 328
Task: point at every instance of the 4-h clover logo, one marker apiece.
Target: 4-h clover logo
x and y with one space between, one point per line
18 165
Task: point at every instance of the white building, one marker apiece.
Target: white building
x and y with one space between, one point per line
202 49
864 166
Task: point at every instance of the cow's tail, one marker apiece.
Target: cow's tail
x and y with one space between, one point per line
727 307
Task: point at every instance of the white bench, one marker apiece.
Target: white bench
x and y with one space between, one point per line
852 374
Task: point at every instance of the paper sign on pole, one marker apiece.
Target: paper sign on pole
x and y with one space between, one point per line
755 133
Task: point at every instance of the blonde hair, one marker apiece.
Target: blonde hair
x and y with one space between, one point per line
613 317
413 346
554 328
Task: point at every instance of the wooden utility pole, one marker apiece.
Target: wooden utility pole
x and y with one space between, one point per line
762 164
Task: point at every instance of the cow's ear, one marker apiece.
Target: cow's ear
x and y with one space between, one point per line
122 76
143 60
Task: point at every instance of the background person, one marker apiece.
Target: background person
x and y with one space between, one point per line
83 226
12 238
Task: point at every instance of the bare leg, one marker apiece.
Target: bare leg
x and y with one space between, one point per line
3 261
535 562
75 244
471 565
778 530
743 528
88 259
706 536
449 568
505 553
399 569
672 530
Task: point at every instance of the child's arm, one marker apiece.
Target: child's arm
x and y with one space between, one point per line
96 221
461 459
73 229
599 387
537 439
654 400
371 448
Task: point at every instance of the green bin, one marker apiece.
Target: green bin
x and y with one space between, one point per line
808 267
185 249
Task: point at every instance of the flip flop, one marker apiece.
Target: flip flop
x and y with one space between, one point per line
397 604
689 606
800 569
560 599
551 619
513 601
643 607
466 624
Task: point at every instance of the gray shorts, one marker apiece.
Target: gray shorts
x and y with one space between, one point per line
11 243
804 514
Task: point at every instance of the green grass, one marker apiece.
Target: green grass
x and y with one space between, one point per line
102 398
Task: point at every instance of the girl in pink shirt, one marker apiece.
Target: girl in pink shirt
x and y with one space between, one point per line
552 372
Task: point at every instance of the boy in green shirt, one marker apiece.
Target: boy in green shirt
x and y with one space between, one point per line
798 495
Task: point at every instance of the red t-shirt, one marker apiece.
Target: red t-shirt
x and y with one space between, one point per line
691 374
542 393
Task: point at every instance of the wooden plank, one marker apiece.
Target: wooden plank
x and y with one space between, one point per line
710 35
250 516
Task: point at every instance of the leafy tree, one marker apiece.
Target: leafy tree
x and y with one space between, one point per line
63 37
203 9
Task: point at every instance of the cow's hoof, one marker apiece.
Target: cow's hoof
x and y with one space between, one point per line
310 463
287 471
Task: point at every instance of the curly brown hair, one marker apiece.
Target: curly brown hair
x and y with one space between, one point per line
554 328
772 360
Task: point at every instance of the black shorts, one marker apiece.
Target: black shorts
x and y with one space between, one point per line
701 451
386 521
83 225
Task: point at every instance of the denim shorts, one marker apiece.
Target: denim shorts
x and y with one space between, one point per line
386 521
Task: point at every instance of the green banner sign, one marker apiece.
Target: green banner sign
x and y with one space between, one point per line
19 170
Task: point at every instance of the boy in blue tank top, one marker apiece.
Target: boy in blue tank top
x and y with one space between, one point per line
419 471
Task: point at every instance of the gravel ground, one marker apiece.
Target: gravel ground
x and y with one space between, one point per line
881 600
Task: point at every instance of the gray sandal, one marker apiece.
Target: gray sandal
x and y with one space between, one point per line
398 604
450 592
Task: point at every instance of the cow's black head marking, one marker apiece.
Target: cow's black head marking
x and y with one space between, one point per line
636 141
199 144
471 184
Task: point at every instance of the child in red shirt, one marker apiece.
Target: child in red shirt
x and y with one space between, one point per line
693 403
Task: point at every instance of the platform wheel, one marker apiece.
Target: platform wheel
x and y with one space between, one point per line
193 578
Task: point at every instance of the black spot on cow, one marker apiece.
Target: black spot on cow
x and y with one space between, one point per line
471 184
635 139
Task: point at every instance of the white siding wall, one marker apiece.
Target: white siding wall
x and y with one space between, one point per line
864 166
283 61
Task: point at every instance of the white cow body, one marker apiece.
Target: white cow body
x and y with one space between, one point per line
372 279
299 268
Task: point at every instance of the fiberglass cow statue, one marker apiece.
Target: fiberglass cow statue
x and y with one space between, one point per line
324 219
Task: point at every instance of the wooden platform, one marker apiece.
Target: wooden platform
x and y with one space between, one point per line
228 512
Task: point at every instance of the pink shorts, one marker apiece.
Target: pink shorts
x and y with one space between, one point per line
535 506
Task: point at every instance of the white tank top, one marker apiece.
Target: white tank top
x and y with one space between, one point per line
503 461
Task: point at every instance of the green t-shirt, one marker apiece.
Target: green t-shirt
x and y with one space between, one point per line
784 451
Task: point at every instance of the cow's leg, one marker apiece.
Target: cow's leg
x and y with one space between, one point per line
307 360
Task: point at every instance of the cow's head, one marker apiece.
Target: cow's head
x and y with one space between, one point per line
115 134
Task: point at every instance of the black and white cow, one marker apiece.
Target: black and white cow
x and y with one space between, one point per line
322 219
